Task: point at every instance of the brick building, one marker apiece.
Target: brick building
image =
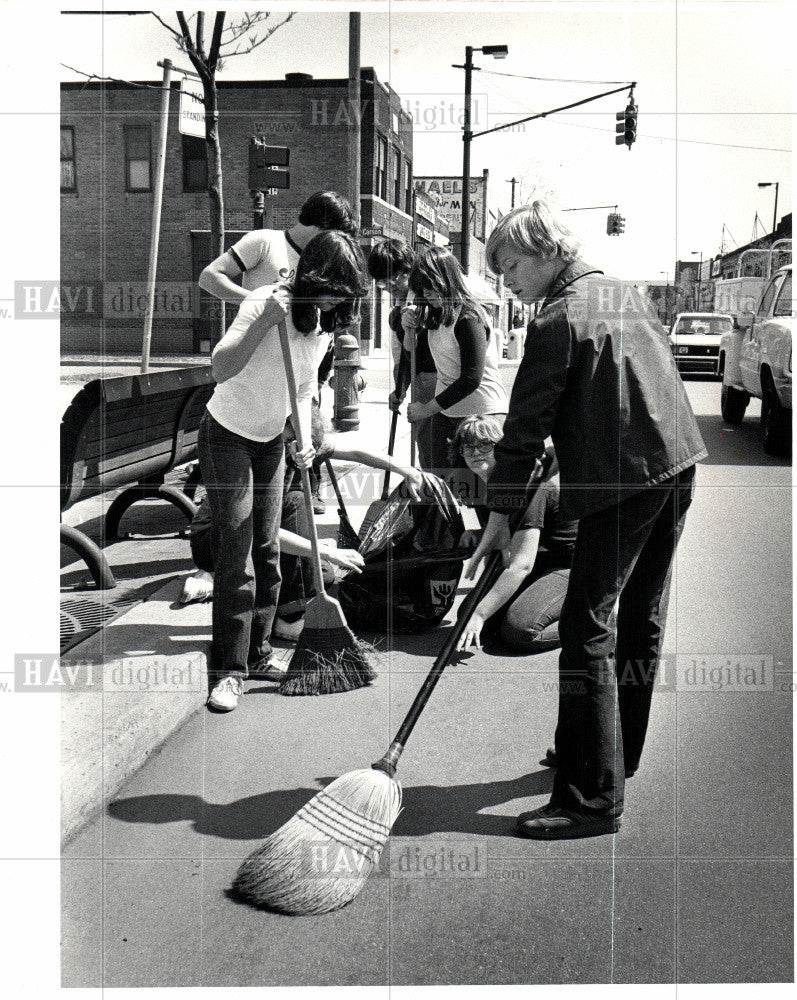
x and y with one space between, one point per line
108 138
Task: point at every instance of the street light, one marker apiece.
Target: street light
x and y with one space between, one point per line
497 52
699 277
776 185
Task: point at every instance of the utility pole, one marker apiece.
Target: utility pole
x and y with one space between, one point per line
467 137
347 343
354 111
513 182
160 168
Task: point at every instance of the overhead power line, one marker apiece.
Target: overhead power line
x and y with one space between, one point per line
672 138
110 79
555 79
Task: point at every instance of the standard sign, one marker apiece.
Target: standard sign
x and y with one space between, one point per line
192 108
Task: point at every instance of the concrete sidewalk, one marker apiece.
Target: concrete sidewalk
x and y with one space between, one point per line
105 740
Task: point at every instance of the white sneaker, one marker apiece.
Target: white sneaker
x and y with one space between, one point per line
288 631
197 587
224 696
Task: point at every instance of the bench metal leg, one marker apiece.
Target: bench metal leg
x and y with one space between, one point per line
144 491
91 554
193 479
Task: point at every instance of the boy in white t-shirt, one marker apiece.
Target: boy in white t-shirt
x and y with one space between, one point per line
268 256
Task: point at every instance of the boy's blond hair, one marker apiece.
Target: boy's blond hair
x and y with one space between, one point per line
533 229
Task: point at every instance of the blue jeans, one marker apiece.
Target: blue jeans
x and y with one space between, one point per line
607 672
530 621
297 575
244 483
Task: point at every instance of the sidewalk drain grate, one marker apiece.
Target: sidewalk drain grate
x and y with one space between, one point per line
82 617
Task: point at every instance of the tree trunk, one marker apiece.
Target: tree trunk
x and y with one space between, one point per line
215 195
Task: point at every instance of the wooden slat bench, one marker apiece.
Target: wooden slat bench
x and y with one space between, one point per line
129 431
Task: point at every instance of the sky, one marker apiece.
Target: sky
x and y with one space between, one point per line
707 71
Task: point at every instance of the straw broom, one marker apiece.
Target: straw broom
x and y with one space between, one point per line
322 857
352 817
328 657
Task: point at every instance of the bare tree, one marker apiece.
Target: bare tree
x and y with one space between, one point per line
236 37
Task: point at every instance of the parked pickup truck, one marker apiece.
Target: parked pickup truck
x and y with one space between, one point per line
695 341
756 361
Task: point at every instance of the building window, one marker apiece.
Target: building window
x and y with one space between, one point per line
138 158
398 191
408 188
195 164
380 180
68 172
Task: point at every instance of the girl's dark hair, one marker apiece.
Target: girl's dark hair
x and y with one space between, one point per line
389 258
436 270
330 264
328 210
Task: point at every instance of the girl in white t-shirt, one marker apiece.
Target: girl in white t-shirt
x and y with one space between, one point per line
241 452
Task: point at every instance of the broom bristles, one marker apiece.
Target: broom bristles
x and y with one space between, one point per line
329 661
322 857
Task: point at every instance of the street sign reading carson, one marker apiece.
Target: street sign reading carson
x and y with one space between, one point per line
368 232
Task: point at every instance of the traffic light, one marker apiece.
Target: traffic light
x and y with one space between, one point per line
615 224
626 125
264 165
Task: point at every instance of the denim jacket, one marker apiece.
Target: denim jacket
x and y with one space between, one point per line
598 376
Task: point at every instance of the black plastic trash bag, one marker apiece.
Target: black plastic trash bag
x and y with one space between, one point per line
413 563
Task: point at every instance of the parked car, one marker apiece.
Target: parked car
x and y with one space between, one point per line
756 361
695 341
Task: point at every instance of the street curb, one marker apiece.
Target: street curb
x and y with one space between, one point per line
149 668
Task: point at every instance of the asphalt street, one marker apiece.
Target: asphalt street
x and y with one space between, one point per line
695 888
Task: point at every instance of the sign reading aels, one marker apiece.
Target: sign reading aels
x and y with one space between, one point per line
447 193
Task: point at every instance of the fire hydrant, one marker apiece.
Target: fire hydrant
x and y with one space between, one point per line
347 380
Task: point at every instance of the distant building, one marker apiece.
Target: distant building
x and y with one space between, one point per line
430 227
108 137
694 285
447 194
749 259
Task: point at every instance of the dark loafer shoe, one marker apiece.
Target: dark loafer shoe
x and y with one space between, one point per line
553 823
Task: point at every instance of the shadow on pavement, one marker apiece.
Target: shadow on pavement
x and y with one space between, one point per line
427 809
739 444
80 579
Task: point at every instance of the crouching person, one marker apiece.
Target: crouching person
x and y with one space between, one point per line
524 604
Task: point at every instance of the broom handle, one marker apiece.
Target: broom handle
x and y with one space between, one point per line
483 584
413 374
466 609
390 443
336 487
290 375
